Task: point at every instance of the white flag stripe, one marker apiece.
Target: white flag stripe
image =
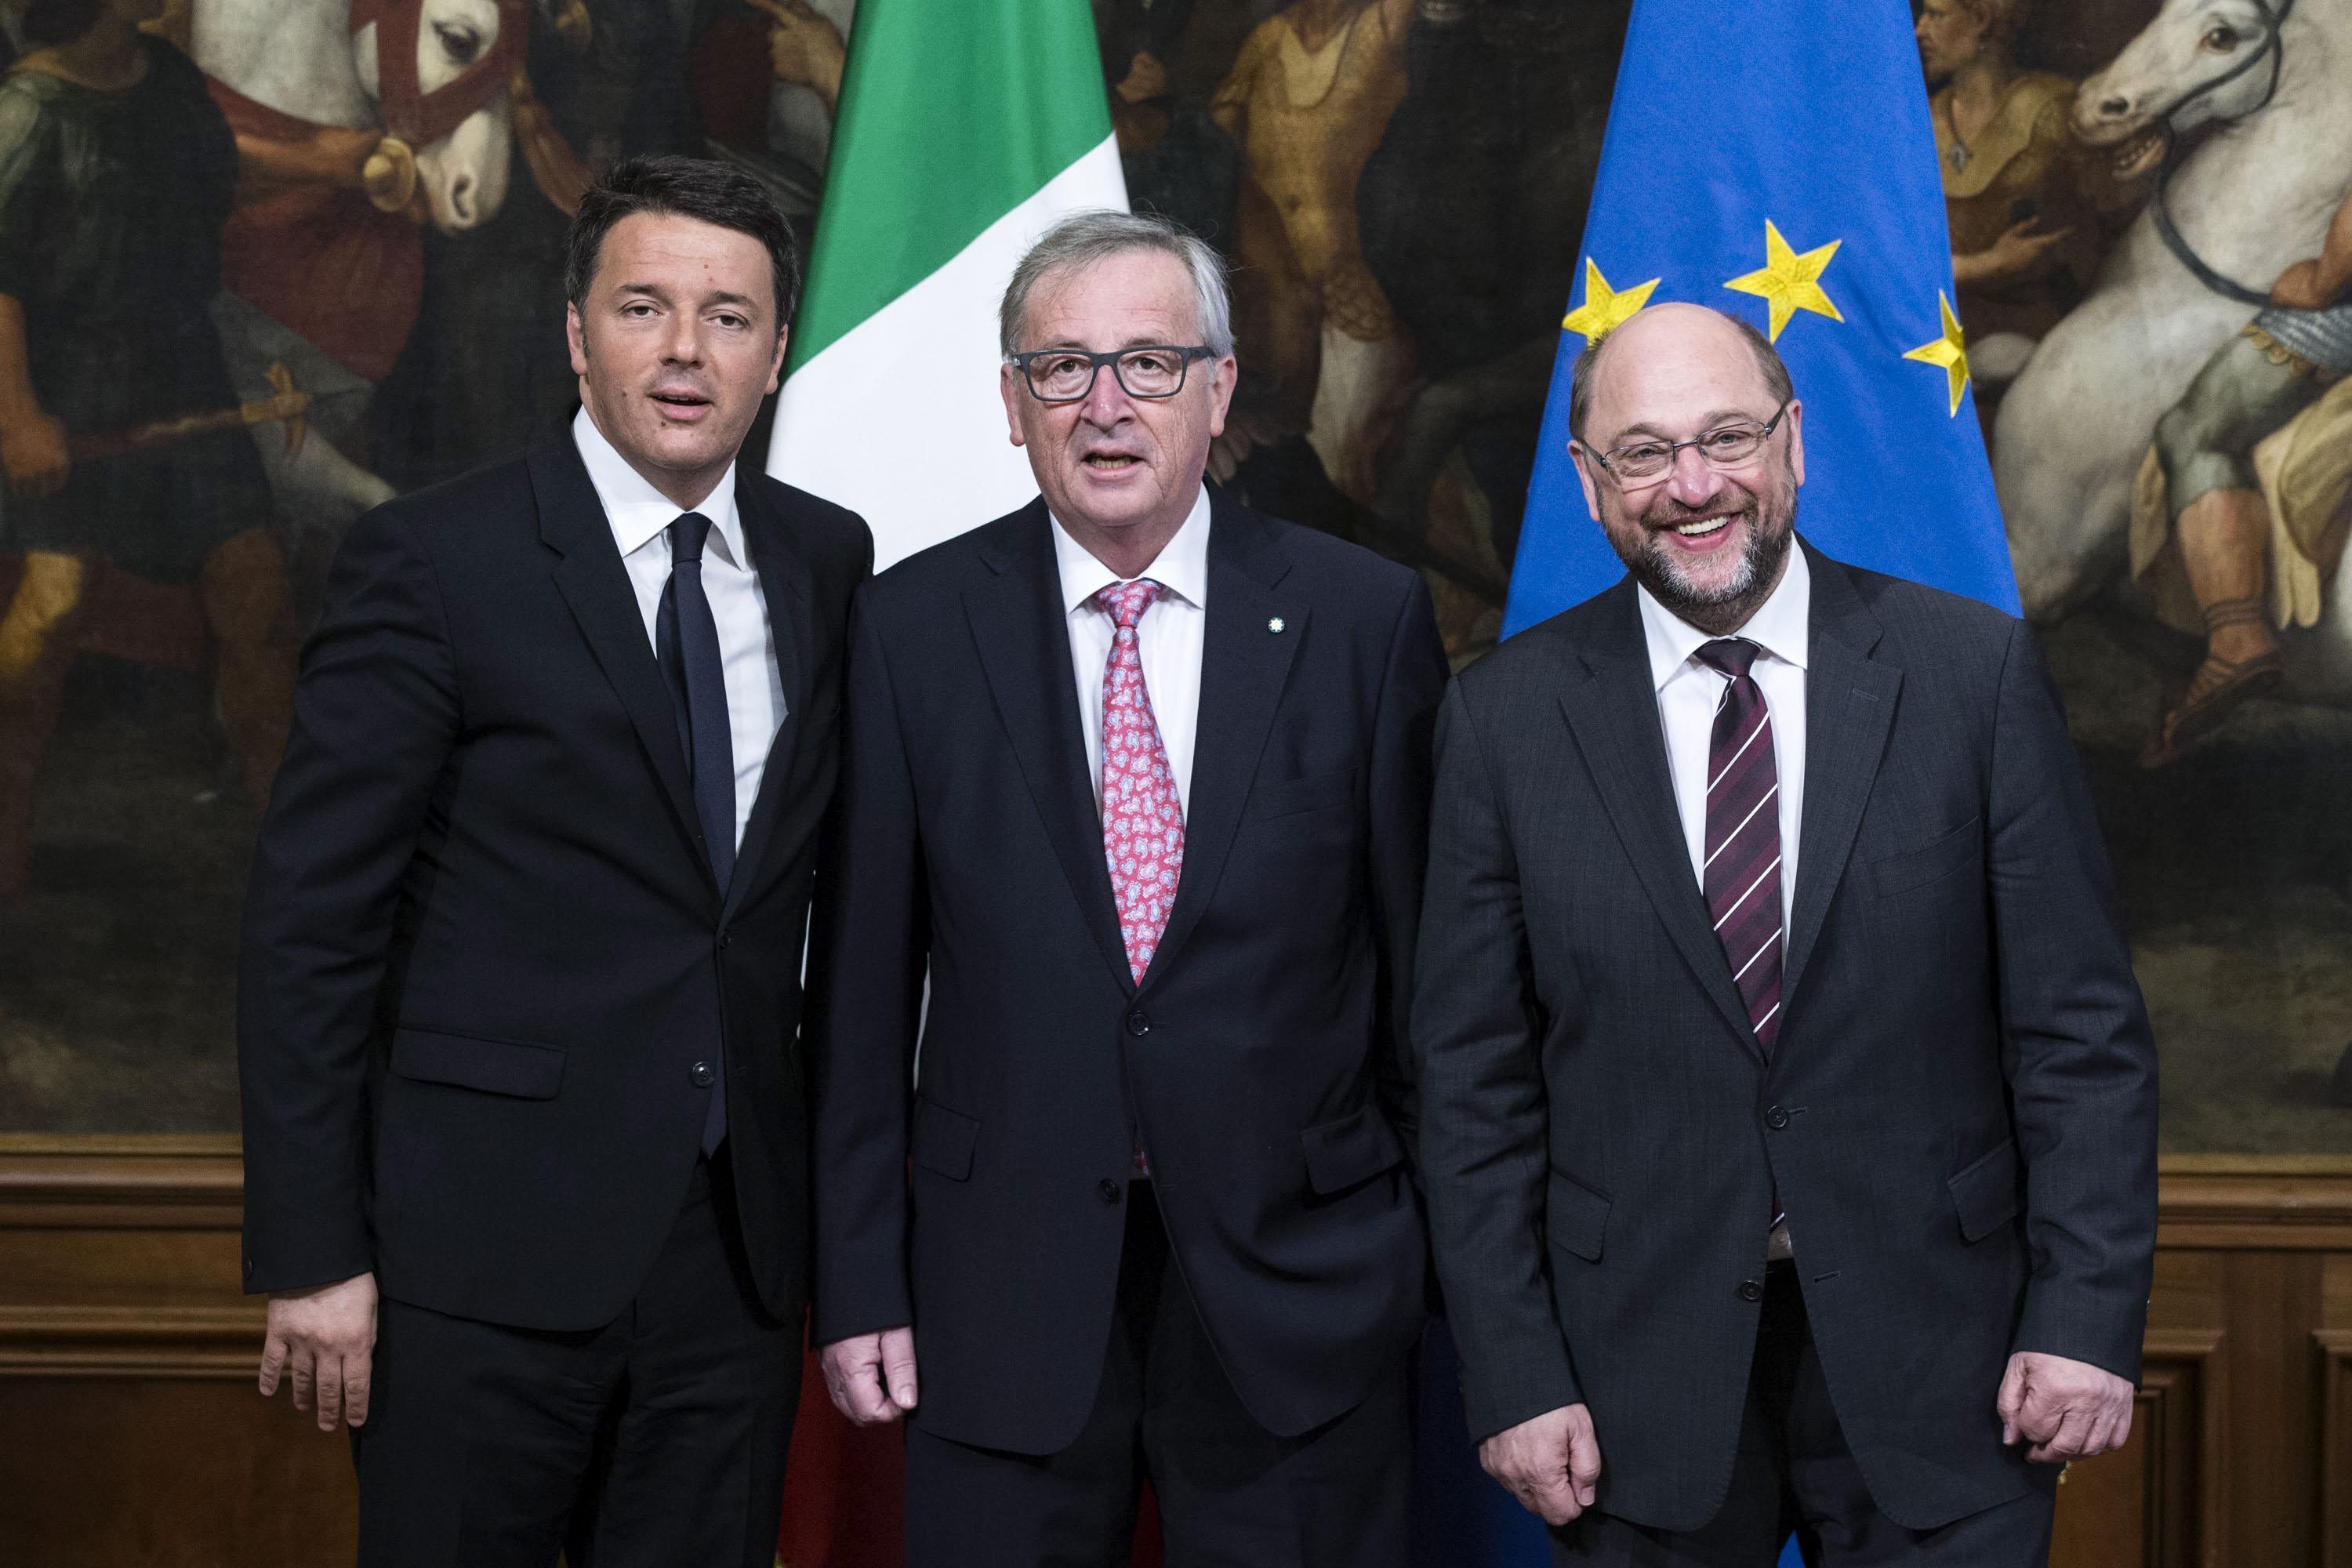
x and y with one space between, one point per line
1765 719
1751 888
1733 836
1768 944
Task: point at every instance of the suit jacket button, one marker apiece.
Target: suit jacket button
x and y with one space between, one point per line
1139 1022
703 1074
1776 1119
1750 1292
248 1268
725 937
1107 1190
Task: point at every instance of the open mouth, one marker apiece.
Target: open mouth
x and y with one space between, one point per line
1111 462
1703 527
2140 154
684 405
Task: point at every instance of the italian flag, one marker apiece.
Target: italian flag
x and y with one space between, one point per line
966 128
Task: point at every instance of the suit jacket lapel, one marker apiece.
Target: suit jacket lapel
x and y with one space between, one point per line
1611 706
595 585
784 584
1243 668
1848 706
1021 634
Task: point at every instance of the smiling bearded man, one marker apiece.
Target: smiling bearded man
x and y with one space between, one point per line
1141 777
1787 1102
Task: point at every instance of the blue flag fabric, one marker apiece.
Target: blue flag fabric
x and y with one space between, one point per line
1777 162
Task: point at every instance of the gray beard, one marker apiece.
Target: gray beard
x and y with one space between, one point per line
1759 569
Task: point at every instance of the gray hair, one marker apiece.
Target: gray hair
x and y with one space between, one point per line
1588 369
1084 239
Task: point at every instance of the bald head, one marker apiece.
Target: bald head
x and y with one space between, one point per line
1675 342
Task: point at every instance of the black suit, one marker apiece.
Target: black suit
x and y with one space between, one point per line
486 970
1959 1111
1261 1058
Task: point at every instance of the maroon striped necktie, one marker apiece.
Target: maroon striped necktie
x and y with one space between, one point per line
1742 876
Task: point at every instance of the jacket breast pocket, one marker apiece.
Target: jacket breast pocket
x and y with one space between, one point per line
466 1061
1985 1192
1907 870
1288 797
1575 1217
943 1140
1353 1149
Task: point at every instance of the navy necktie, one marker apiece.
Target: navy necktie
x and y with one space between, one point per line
685 636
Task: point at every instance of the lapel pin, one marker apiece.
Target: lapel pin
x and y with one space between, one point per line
1274 625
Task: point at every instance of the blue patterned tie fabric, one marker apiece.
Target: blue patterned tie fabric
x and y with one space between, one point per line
1742 876
685 636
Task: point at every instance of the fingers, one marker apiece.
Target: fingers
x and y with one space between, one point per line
1584 1464
2011 1399
853 1376
359 1381
273 1362
899 1367
329 1390
304 1364
2064 1444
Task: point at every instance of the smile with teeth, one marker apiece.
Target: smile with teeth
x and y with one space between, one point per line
1700 527
1110 461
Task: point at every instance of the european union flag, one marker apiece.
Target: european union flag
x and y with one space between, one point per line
1777 162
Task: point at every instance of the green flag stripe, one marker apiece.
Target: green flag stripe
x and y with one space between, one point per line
953 113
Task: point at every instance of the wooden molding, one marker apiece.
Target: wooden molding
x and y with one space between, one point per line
169 1341
2335 1350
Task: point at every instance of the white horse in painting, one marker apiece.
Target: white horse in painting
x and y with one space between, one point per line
2273 78
304 59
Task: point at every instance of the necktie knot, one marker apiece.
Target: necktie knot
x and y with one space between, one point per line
1728 656
685 539
1126 602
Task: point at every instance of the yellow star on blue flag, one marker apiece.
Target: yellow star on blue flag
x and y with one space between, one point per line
1604 309
1951 350
1789 282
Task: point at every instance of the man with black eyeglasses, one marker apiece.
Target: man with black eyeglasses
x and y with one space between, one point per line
1142 778
1788 1118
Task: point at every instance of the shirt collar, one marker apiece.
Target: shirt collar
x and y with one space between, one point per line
1181 566
1780 625
637 512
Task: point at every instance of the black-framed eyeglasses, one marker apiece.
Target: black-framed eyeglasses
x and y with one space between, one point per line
1725 447
1148 370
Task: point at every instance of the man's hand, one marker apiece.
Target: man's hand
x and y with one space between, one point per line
871 1377
1551 1464
2067 1409
33 451
325 1338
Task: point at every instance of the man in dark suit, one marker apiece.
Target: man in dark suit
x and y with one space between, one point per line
1142 777
1789 1104
526 1138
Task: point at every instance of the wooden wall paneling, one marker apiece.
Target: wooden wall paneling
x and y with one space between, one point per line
2333 1342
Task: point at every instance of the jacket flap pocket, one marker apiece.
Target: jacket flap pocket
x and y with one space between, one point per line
1287 797
1355 1148
1985 1194
495 1067
943 1140
1576 1217
1909 868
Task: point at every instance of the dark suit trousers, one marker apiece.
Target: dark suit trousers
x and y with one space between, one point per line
1231 1494
657 1439
1793 1473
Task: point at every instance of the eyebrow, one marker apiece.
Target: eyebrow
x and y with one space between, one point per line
654 290
1712 418
1134 343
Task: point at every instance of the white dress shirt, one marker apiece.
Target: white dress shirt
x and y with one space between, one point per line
1167 640
640 517
1689 692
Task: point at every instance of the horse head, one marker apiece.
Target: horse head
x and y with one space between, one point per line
439 70
2197 61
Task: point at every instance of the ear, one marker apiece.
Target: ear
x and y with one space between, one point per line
1797 442
574 335
776 365
1227 373
1008 382
1585 477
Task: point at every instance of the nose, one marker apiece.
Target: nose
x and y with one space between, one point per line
1106 401
1691 481
685 339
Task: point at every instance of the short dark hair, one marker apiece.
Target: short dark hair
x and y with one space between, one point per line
699 188
1588 369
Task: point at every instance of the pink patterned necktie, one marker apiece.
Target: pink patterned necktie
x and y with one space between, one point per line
1143 821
